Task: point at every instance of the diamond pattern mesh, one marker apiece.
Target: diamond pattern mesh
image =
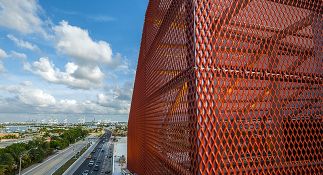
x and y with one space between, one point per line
228 87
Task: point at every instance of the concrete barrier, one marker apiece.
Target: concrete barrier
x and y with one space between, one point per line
80 160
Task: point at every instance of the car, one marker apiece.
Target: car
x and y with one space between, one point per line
98 162
91 163
93 151
94 157
86 172
96 167
89 157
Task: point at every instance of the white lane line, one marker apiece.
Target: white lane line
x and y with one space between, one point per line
74 167
47 160
66 157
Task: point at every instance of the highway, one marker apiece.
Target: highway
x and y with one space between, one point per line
98 156
50 165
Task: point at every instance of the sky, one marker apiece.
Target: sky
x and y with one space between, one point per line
68 59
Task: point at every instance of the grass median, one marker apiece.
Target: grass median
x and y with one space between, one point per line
64 167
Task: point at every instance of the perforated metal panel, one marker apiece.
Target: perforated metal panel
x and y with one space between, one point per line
229 87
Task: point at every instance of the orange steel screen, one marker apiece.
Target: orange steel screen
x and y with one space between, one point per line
228 87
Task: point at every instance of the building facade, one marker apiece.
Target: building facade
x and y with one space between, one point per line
228 87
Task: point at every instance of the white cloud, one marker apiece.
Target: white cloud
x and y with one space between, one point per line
76 43
74 76
15 54
22 16
23 44
117 99
26 98
3 54
113 103
2 69
31 96
92 74
101 18
74 106
36 97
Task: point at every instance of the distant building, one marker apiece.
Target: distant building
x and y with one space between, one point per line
9 134
228 87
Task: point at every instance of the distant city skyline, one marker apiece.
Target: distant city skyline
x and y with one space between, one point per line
71 118
68 57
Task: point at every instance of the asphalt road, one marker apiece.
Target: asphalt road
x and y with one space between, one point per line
108 160
50 165
97 155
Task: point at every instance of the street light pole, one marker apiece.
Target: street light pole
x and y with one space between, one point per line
74 151
20 157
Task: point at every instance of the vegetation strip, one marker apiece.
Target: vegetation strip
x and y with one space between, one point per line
64 167
38 149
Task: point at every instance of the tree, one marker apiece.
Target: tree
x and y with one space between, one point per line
2 169
7 162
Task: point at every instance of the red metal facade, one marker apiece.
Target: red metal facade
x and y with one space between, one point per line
229 87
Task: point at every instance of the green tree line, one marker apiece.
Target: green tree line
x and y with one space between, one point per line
10 136
36 150
67 137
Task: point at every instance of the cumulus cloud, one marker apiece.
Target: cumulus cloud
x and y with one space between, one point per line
23 44
92 74
22 16
111 102
77 43
83 70
118 98
26 98
2 69
19 55
31 96
3 54
74 76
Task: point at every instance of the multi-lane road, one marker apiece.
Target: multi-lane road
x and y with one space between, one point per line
98 156
54 162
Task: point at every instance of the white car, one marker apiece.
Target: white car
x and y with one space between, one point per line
91 163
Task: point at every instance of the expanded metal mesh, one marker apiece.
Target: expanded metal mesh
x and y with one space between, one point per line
229 87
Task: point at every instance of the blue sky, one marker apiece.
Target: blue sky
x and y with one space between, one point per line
68 57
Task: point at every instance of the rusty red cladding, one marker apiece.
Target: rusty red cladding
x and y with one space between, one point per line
228 87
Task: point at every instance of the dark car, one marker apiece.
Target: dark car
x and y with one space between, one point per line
96 167
86 172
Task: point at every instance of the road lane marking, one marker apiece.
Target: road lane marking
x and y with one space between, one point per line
47 160
78 163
